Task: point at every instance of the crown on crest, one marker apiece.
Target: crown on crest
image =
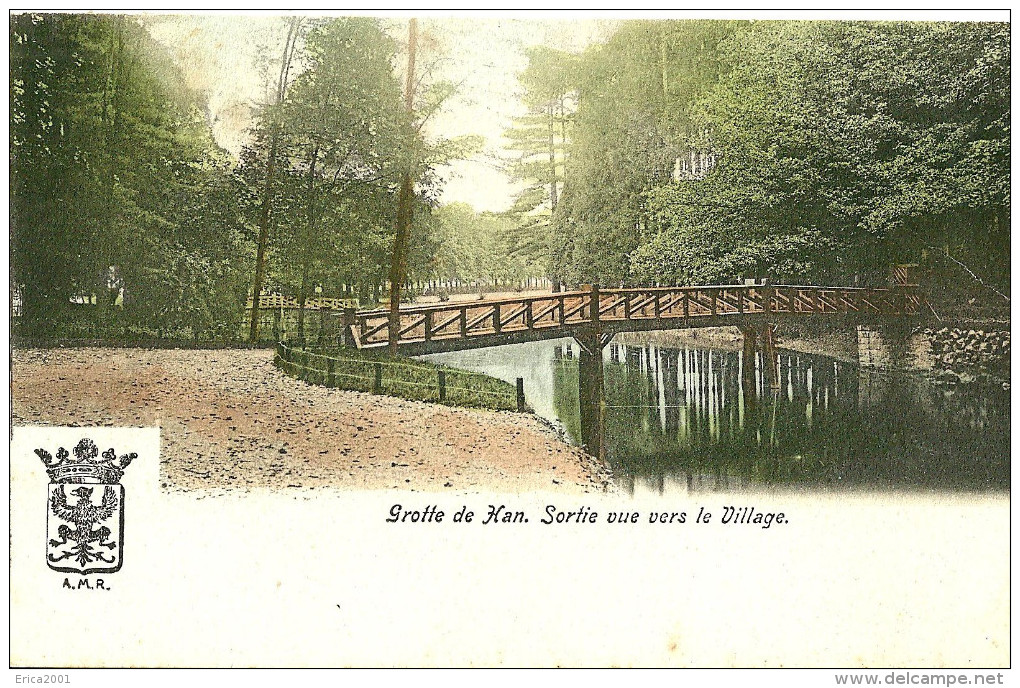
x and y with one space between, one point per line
86 466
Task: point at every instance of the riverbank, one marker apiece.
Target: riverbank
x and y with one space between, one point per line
230 420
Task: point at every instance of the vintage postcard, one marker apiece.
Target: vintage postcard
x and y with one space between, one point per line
511 340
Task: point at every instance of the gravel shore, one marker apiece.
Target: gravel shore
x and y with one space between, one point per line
229 419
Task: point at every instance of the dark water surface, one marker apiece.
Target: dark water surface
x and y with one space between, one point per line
680 419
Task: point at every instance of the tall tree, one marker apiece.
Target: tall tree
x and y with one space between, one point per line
111 159
844 147
267 195
345 133
398 268
541 137
638 93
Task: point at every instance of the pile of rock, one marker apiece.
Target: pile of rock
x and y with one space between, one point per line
964 356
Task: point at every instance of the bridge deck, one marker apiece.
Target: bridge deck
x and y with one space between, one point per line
473 324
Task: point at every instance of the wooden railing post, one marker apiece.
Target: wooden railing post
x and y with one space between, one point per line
715 302
463 321
563 311
529 315
626 305
687 304
496 325
377 380
520 395
428 326
594 305
658 306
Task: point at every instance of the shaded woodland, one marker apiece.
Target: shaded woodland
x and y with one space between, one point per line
676 152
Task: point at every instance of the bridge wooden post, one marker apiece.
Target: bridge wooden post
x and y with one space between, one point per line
769 355
748 357
591 393
590 383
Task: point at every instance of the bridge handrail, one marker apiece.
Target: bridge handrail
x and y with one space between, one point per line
452 305
424 308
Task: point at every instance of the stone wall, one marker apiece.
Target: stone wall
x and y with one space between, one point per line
963 356
950 355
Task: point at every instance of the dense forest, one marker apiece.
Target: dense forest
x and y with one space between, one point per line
676 152
702 151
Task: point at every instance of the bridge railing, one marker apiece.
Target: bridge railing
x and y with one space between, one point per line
476 318
566 310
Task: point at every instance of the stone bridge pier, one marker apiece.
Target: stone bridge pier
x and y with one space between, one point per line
893 346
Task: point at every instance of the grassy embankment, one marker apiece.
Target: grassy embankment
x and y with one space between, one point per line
407 378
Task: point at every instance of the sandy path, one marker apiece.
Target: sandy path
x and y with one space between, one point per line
230 419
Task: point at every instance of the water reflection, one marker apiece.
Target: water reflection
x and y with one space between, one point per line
679 419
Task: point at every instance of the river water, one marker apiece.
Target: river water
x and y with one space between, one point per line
679 420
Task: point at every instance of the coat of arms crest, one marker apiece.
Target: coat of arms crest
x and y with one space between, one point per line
85 509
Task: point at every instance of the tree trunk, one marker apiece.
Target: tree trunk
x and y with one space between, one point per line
260 258
111 131
404 207
306 254
553 199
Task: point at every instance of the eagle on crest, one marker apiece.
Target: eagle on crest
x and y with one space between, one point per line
84 515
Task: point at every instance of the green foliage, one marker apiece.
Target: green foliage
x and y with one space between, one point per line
344 138
476 247
113 164
542 137
840 148
634 118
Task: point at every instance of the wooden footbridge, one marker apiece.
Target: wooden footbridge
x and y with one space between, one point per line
592 316
604 312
